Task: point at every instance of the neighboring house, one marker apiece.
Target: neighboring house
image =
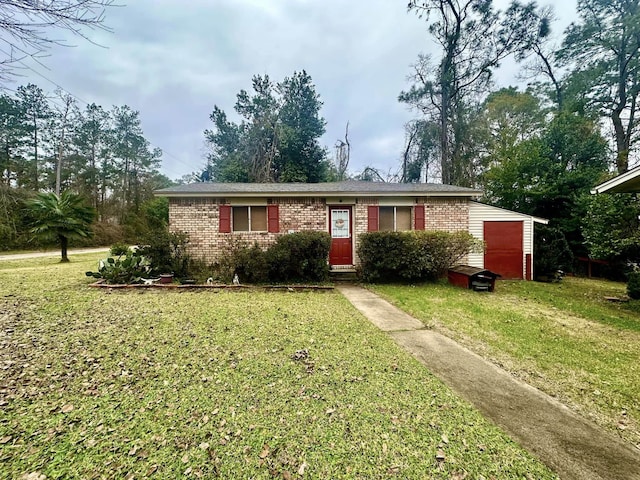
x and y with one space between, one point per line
216 214
628 182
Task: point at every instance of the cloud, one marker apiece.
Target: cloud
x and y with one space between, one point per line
174 60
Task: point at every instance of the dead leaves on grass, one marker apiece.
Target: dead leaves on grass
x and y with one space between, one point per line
280 463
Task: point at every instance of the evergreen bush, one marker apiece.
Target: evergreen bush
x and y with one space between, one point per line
633 285
412 256
300 256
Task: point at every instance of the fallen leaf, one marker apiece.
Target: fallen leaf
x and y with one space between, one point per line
188 471
286 475
133 451
67 408
265 451
204 445
302 467
6 439
185 458
205 419
153 469
33 476
445 439
440 456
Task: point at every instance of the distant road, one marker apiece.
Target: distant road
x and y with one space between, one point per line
52 253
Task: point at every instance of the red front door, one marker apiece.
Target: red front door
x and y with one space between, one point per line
340 227
504 252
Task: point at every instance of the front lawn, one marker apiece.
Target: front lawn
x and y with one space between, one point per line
169 384
563 338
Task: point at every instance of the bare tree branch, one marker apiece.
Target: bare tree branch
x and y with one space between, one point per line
25 26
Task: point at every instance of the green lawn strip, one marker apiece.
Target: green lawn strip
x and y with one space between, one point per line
562 338
202 384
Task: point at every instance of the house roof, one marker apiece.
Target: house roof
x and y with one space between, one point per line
628 182
351 188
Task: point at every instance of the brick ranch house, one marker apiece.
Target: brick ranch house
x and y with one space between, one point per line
214 213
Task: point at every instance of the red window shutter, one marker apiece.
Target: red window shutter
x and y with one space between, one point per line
273 219
419 212
225 219
373 218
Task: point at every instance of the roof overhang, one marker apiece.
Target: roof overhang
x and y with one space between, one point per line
315 190
628 182
312 194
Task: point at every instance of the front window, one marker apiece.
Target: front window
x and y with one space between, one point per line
395 219
250 219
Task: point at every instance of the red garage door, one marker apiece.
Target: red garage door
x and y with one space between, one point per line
504 248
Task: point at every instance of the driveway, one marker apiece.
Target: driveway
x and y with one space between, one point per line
567 443
52 253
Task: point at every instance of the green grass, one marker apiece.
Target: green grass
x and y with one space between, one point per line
163 384
563 338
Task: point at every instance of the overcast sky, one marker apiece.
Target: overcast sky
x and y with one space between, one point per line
173 60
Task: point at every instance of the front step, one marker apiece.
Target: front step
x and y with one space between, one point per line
343 275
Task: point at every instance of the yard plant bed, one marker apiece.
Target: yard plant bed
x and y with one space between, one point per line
214 287
173 384
565 338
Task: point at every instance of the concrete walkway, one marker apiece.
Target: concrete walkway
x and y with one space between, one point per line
570 445
52 253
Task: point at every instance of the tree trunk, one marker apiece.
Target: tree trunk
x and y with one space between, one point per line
35 154
64 243
622 143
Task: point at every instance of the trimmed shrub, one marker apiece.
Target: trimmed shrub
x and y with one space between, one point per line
167 253
412 256
633 285
249 263
300 256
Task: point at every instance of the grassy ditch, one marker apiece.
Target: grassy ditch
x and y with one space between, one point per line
564 338
169 384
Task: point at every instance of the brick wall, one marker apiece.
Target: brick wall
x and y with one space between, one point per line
448 214
199 217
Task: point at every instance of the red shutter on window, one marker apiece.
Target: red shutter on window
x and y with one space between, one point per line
225 219
419 212
373 217
273 219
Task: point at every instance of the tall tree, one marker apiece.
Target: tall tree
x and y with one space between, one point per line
419 158
603 50
300 157
277 139
61 122
474 39
12 139
547 174
508 118
37 113
91 137
133 155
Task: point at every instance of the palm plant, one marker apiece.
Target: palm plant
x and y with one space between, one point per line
61 218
